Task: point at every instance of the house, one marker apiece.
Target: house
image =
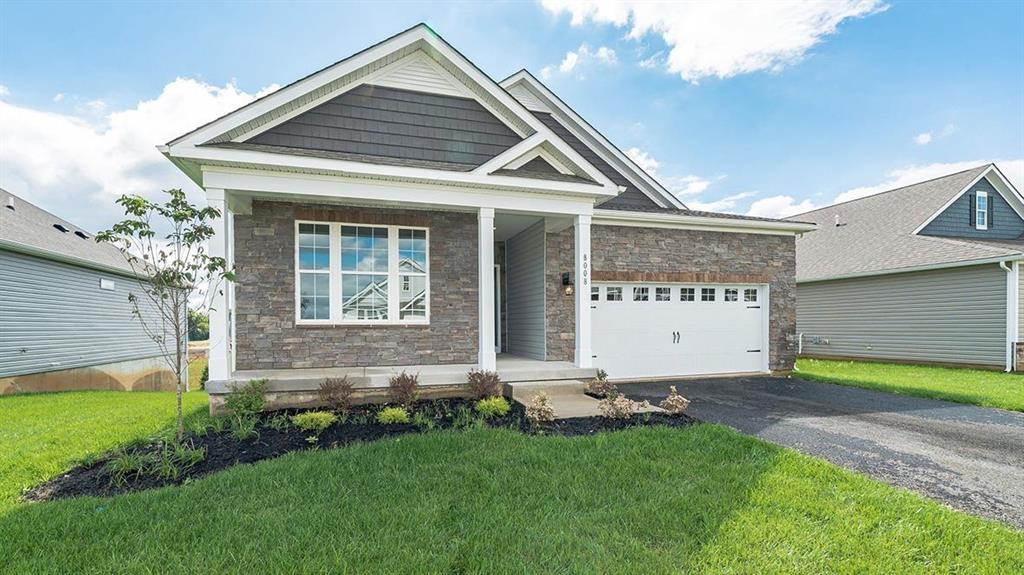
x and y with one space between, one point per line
65 319
926 273
521 239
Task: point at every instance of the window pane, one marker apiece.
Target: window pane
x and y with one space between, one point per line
707 294
412 250
364 296
686 294
639 294
364 249
613 294
314 246
412 302
595 293
750 294
314 296
662 294
732 294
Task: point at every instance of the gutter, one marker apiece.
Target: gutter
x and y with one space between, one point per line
63 258
964 263
1012 303
683 221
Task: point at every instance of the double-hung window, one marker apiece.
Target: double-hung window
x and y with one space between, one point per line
365 274
981 210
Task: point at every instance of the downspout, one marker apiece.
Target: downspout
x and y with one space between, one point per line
1011 270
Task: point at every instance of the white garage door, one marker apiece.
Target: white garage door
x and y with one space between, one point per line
652 330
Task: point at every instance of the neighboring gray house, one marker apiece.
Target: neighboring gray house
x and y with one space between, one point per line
401 210
926 273
65 319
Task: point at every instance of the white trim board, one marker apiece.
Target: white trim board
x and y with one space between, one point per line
924 268
684 221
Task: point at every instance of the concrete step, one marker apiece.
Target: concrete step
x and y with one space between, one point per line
524 391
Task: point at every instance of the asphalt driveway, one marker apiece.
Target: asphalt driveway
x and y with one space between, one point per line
971 458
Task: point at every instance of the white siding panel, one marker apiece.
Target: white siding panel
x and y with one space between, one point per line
956 315
54 316
422 76
528 100
524 257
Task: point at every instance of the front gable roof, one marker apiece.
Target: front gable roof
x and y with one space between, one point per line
419 59
879 233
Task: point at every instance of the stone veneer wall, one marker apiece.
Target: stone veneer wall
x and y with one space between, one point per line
267 336
620 253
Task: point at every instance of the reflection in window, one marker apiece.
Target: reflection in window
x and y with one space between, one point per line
640 294
314 271
750 294
707 294
686 294
662 294
613 294
595 293
732 294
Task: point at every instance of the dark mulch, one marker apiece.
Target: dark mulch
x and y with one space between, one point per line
224 450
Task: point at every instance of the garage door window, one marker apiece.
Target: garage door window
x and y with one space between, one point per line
662 294
707 294
613 294
640 294
595 293
732 294
687 294
750 294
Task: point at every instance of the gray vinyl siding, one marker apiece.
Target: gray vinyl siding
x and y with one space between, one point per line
955 221
54 316
631 198
395 123
524 257
955 315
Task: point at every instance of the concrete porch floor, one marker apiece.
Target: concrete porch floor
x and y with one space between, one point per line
510 368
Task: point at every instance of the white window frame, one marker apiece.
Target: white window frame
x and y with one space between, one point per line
981 215
394 277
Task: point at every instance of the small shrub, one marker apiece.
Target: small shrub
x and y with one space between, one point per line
204 376
620 407
336 393
404 388
186 454
492 407
540 410
484 383
675 403
244 428
423 421
600 387
163 465
279 422
464 418
125 464
246 400
218 424
314 421
391 415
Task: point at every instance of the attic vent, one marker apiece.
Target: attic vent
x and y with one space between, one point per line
61 228
82 235
10 202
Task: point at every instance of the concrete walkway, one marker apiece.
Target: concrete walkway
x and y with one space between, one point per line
971 458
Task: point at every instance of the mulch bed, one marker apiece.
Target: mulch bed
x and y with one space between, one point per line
223 450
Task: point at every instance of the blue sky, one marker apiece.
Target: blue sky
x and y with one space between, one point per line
770 112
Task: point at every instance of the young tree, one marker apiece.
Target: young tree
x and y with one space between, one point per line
171 271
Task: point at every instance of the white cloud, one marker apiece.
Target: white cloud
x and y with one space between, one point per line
923 138
582 56
685 186
779 207
58 97
76 166
726 204
96 106
723 38
651 62
4 91
643 159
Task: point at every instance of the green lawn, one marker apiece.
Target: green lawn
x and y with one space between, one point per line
195 372
702 499
974 386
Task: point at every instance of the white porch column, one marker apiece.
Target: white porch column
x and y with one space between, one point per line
220 314
584 355
487 359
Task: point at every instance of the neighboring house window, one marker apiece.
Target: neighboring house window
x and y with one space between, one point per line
686 294
362 274
750 294
613 294
707 294
981 210
732 294
662 294
595 293
640 294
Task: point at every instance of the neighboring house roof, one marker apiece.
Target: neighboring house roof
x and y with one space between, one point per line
877 233
27 228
